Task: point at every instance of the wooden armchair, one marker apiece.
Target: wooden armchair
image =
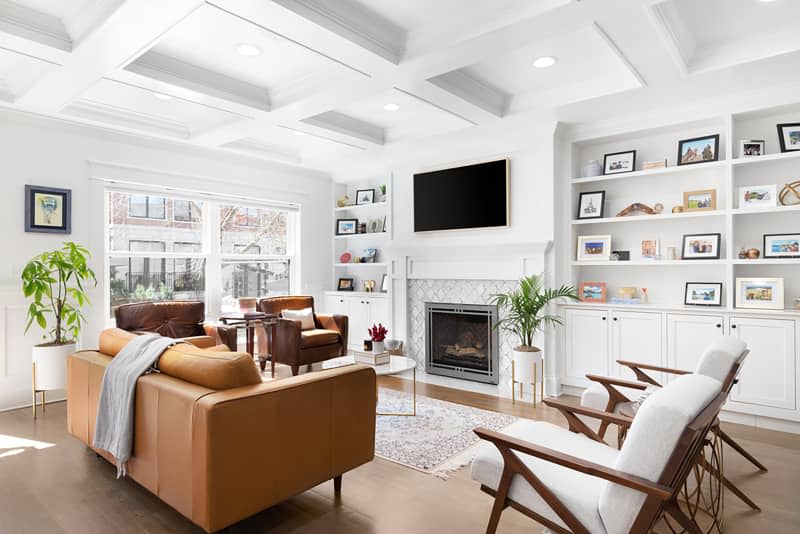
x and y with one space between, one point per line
576 483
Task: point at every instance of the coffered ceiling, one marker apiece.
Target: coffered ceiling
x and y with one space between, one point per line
332 84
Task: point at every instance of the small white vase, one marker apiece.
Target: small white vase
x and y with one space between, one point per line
377 347
51 365
592 168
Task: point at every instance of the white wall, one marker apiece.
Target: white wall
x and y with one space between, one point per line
40 151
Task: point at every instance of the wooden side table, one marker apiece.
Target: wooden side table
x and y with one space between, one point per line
249 321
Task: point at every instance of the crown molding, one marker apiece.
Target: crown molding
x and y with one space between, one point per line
30 24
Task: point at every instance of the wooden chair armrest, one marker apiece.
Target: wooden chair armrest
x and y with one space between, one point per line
502 441
618 382
613 418
656 368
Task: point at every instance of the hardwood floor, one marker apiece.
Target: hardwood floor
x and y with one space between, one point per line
64 488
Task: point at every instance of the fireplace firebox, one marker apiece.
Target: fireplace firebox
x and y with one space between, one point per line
461 341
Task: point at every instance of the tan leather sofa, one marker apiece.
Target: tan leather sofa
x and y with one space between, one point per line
217 444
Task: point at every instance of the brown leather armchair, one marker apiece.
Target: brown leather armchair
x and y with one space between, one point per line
178 319
293 346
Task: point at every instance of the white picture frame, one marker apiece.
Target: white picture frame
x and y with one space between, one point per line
751 148
758 196
593 248
759 293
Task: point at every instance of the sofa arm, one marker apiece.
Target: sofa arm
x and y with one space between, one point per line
305 430
337 323
286 342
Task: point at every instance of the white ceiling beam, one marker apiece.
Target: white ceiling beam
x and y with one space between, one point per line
24 22
121 37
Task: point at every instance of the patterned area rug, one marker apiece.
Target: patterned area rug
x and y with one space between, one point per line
439 440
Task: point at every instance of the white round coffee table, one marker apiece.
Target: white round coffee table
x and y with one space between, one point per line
396 365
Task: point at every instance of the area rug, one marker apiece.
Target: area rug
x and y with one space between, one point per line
439 440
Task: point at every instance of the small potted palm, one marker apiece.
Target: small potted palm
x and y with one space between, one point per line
55 282
524 312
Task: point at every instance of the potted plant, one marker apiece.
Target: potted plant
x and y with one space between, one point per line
55 282
378 335
524 313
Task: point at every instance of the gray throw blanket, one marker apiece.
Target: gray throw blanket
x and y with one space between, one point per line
113 431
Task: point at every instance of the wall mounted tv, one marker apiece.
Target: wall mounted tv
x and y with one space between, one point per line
473 196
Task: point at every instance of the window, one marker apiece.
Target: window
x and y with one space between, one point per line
246 250
147 207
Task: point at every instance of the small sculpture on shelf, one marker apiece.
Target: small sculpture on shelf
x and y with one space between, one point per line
343 202
790 194
638 207
677 209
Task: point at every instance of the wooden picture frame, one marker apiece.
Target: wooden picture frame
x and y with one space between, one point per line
592 291
48 210
707 202
684 157
703 294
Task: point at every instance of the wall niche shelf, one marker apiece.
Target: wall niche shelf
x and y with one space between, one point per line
648 263
360 265
360 207
766 158
374 235
651 218
677 169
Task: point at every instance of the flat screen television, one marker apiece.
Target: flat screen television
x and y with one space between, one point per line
473 196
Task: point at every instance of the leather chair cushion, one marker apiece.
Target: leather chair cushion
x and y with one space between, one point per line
211 368
318 338
172 319
276 305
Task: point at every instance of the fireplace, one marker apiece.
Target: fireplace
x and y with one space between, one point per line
461 341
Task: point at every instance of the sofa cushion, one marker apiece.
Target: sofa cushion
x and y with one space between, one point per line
318 338
718 359
578 491
650 442
170 318
113 339
305 316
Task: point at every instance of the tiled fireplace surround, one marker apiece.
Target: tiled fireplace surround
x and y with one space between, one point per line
462 277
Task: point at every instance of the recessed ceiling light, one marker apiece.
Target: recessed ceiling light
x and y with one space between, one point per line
162 96
391 107
247 49
544 62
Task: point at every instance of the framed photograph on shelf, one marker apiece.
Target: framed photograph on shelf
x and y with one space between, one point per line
590 205
375 226
594 247
619 162
346 284
789 136
751 147
592 291
703 294
703 200
758 196
48 209
782 246
651 249
365 196
701 247
385 283
698 150
759 293
346 226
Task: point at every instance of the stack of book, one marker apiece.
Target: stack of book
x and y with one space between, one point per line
372 358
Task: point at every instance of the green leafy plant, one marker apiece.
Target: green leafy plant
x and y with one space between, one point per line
526 309
55 282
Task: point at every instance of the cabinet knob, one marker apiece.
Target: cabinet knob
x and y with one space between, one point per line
733 326
616 318
604 317
718 325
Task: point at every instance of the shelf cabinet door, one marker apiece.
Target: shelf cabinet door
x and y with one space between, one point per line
768 375
586 344
337 305
688 336
358 313
637 337
378 312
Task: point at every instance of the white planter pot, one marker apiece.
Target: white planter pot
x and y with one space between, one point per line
51 365
377 347
523 365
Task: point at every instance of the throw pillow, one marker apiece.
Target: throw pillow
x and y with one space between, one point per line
305 316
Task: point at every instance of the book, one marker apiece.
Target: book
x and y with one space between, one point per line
370 358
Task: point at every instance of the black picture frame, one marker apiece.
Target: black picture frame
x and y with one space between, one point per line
65 196
767 255
599 214
717 246
781 138
714 304
605 162
371 196
715 137
346 284
339 226
385 283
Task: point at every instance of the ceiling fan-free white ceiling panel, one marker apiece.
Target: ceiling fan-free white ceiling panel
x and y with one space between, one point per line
19 71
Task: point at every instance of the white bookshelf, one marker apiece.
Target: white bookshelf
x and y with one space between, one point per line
739 227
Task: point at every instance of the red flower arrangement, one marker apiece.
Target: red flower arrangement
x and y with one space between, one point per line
377 333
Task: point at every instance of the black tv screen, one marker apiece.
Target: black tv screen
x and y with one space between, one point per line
474 196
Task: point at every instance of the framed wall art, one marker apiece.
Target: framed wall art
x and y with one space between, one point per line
48 209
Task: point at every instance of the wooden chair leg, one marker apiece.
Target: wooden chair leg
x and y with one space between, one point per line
738 448
272 366
295 370
337 485
689 526
499 500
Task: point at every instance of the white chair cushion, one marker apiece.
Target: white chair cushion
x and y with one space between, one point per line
719 357
305 316
650 442
579 492
596 397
